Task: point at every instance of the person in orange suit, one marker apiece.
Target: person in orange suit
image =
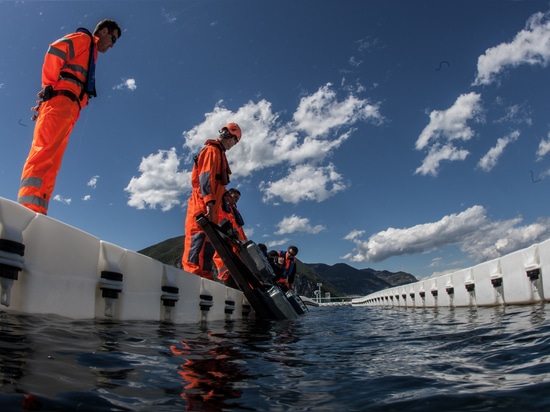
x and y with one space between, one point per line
209 177
68 81
231 218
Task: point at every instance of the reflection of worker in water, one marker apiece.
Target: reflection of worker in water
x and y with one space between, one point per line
31 403
209 373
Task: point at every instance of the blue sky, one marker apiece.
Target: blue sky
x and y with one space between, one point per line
398 135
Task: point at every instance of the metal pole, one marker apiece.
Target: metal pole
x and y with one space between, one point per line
319 295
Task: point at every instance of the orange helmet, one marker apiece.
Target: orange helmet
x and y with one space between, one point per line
231 130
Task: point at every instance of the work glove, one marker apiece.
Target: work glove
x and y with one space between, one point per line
43 95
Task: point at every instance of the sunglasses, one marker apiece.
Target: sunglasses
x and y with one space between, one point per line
113 39
227 134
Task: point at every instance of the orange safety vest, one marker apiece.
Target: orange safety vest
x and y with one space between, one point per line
290 263
66 64
287 277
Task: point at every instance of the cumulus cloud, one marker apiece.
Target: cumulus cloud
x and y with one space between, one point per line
490 159
321 112
61 199
354 234
86 198
446 127
276 243
305 182
292 224
451 124
544 147
437 154
93 182
129 84
321 123
160 182
530 46
478 236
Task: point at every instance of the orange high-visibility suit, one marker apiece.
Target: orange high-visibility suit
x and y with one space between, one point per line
209 176
229 213
65 70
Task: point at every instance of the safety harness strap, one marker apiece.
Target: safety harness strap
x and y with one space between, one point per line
66 93
90 75
73 78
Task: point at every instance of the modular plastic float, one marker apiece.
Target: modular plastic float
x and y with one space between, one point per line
48 267
521 277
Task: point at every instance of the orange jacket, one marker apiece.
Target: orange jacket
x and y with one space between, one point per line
232 214
208 178
69 54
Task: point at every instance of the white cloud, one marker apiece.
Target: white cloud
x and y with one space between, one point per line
516 114
544 147
437 154
451 124
292 224
368 44
129 84
168 16
305 183
86 198
313 134
93 182
61 199
353 61
478 236
320 125
320 113
160 182
448 126
490 159
255 151
354 234
499 238
275 243
530 46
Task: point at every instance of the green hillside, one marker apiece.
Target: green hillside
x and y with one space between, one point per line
339 279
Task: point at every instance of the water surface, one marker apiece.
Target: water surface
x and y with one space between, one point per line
332 359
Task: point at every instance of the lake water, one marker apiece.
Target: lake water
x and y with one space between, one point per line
332 359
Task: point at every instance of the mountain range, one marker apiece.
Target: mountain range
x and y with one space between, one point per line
340 280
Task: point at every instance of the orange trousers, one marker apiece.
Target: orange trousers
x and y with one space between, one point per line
55 123
223 272
197 249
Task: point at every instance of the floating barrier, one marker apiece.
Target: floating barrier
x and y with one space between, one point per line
521 277
49 267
